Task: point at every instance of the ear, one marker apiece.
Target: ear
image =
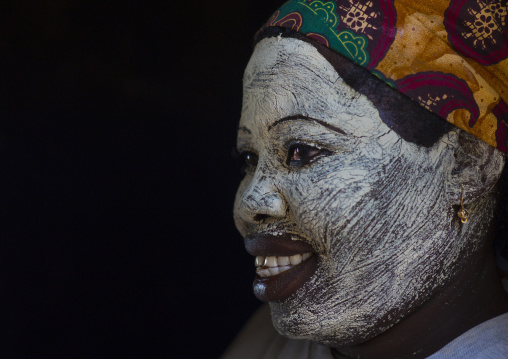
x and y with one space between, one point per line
476 169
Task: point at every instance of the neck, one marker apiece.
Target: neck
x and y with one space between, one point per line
473 296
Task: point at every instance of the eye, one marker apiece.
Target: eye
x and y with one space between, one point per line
249 160
300 154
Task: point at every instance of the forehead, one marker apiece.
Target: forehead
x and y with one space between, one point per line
274 56
289 77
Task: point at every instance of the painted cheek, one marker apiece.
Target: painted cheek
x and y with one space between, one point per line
320 201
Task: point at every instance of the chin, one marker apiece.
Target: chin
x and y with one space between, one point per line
318 313
321 316
343 330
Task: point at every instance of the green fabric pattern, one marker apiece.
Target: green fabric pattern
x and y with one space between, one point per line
319 18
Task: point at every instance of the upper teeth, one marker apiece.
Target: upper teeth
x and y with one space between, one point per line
272 265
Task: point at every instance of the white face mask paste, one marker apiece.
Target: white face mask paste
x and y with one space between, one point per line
374 210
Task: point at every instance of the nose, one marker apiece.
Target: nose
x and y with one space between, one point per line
261 201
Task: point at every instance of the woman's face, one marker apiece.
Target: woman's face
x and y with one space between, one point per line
325 175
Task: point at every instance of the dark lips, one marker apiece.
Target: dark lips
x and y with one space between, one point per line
280 286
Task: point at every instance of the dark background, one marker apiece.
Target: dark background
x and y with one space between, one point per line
117 121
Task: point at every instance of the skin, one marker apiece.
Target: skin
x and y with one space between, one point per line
379 212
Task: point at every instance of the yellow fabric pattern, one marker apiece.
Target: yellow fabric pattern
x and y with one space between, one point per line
450 56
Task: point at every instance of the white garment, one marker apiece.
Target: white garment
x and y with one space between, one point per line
259 340
488 340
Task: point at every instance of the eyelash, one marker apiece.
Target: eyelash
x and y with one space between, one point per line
306 154
245 158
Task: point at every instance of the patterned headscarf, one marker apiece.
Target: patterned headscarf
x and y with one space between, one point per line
450 56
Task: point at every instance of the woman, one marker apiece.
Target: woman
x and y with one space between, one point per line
371 218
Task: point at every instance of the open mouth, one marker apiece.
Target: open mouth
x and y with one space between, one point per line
284 263
273 265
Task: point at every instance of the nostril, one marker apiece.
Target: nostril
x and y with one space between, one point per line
260 217
262 202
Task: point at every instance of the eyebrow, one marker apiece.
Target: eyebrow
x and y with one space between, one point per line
306 118
244 129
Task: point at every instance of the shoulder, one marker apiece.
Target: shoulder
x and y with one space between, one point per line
488 340
259 340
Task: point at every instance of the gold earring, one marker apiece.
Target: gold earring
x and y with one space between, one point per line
463 214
